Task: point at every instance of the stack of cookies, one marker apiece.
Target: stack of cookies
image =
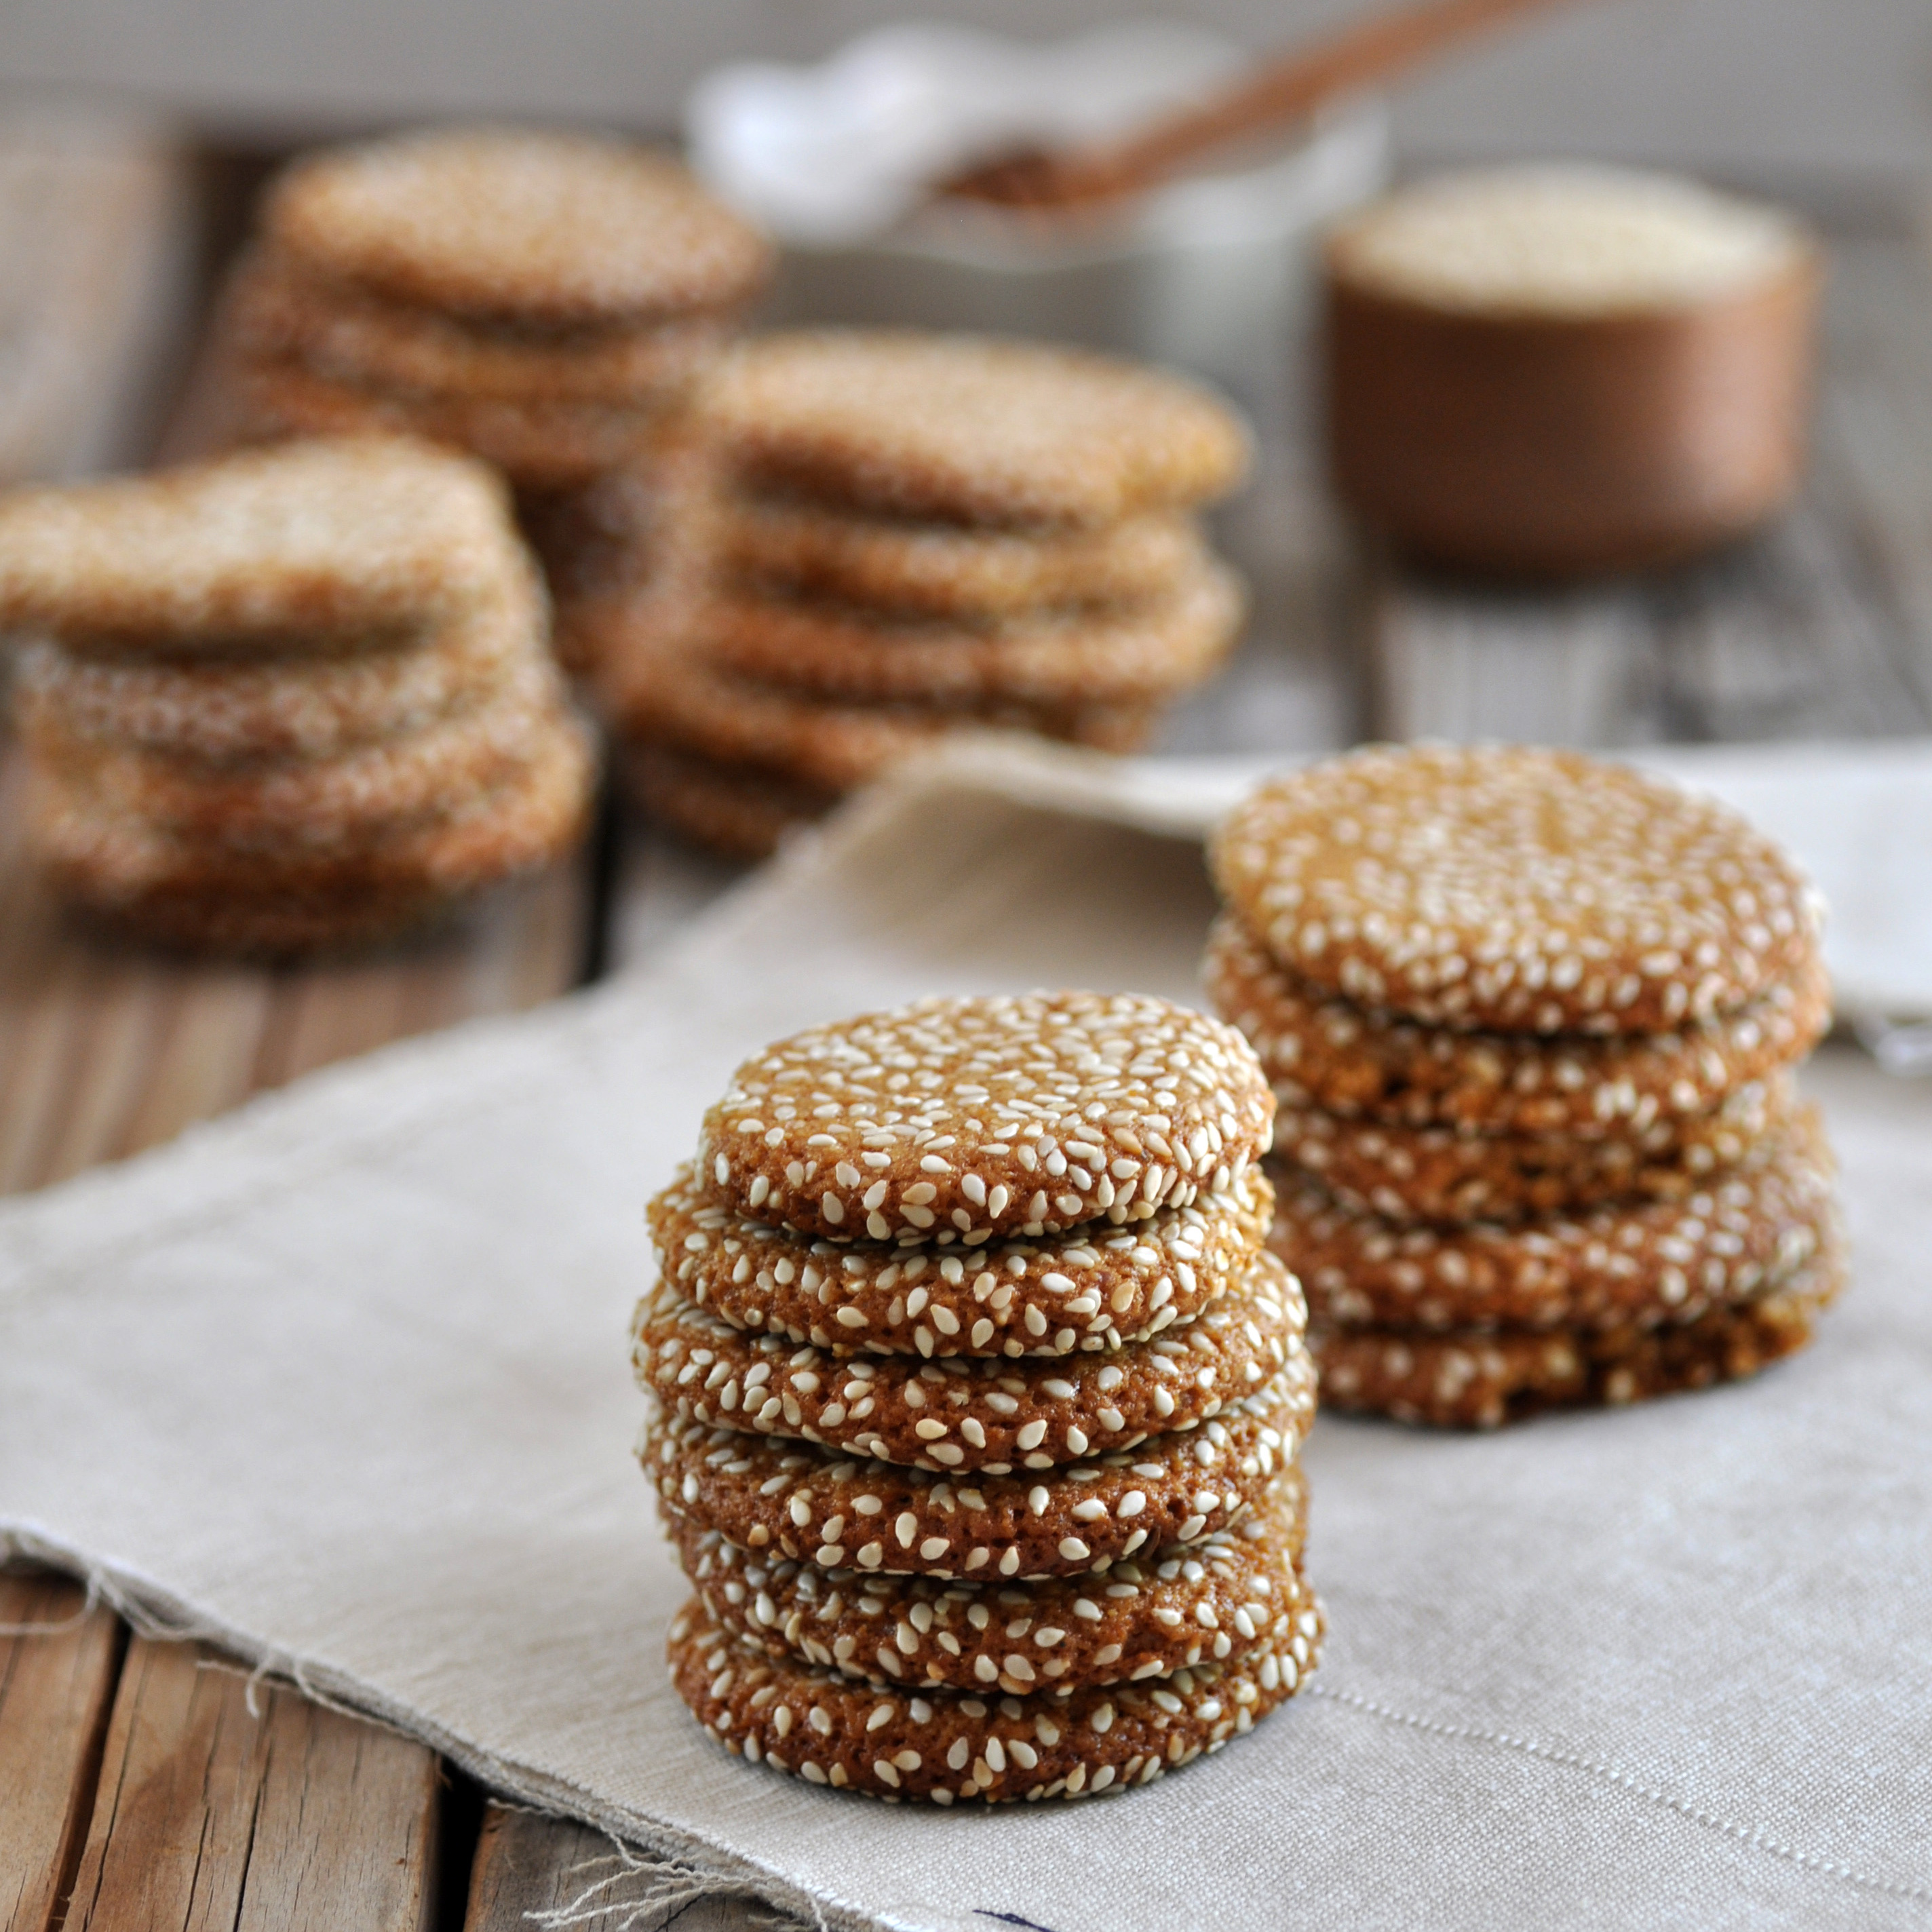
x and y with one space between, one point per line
978 1401
1531 1018
296 699
911 533
544 301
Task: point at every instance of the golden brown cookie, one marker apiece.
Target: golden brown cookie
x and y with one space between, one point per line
274 310
124 875
942 1746
969 429
796 1500
548 445
1093 1289
954 570
282 806
1325 1052
553 231
1439 1173
331 546
654 677
1746 1231
1150 651
1196 1606
1481 1379
987 1116
284 706
736 810
1515 889
970 1413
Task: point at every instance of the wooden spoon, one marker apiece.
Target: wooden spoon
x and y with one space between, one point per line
1284 90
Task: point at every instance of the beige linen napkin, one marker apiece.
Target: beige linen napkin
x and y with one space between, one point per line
343 1379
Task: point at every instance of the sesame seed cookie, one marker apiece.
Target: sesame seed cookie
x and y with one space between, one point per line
544 445
1515 889
551 230
1744 1231
1012 1114
795 1500
273 309
1481 1379
125 874
1198 1605
944 1747
285 707
392 784
328 546
969 1412
1325 1052
1438 1173
1092 1290
736 810
1151 650
655 678
954 570
970 429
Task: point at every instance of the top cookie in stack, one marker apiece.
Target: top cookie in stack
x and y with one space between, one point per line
981 1400
544 301
298 698
1530 1018
918 532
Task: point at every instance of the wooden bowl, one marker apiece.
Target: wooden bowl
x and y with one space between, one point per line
1571 441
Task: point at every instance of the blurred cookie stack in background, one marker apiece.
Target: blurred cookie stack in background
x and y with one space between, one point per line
979 1401
1530 1019
911 533
543 301
294 700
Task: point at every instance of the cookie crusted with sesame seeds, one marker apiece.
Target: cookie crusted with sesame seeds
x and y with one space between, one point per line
1515 889
129 876
359 795
737 810
1748 1229
551 231
1151 650
538 446
962 1413
969 429
656 679
1325 1052
799 1501
1025 1114
284 707
273 309
1482 1379
945 1747
1439 1174
1202 1604
333 546
1099 1287
961 571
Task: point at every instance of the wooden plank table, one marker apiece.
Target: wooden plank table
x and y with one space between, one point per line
146 1783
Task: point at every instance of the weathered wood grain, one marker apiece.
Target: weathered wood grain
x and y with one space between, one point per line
528 1865
212 1817
96 250
58 1658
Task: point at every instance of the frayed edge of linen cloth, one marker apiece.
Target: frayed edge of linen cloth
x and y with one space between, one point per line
654 1876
